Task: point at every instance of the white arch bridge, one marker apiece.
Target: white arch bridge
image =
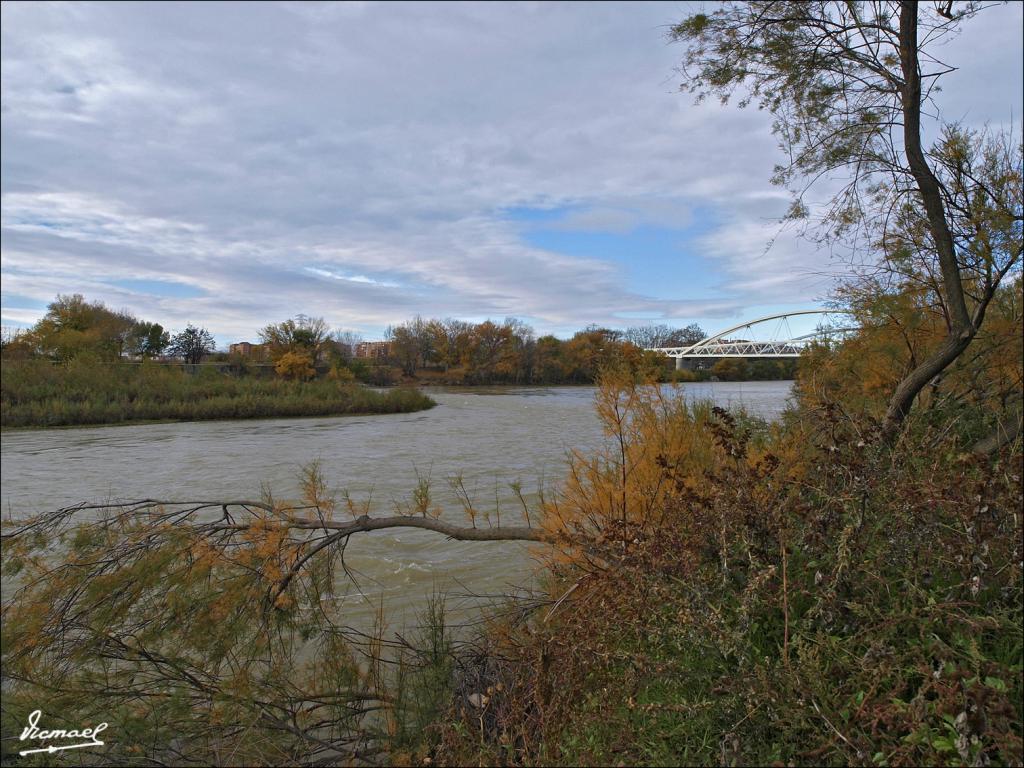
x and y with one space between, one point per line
767 337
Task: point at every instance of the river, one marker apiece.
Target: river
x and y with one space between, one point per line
492 436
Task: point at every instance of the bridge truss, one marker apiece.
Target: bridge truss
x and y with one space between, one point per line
778 342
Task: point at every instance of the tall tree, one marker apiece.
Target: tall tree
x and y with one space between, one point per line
404 347
300 334
588 351
449 338
846 83
192 344
147 339
73 326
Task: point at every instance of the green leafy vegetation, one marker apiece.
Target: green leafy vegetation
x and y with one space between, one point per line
73 327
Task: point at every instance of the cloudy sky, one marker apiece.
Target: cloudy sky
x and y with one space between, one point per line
235 164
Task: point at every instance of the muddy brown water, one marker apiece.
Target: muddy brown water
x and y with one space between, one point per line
492 436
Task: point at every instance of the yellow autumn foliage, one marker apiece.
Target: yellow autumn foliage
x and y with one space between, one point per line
295 365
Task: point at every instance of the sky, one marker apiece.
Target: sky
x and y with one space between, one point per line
235 164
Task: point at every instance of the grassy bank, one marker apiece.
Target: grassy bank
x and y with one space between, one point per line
39 394
792 594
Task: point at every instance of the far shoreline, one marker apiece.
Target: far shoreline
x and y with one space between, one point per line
407 383
147 422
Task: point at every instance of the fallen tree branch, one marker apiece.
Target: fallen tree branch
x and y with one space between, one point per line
287 517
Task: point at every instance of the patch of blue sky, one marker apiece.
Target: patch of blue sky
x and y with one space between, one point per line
17 301
533 322
10 322
661 262
162 288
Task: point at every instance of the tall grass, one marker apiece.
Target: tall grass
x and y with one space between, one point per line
749 594
38 394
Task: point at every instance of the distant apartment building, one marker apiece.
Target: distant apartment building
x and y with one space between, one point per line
247 351
373 349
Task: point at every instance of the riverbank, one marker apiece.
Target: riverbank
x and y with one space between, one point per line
726 370
756 595
38 394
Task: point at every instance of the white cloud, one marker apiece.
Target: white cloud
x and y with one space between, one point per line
354 160
350 278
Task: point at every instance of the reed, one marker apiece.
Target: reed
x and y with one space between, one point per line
40 394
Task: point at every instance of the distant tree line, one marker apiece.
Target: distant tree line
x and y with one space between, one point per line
455 352
433 350
509 352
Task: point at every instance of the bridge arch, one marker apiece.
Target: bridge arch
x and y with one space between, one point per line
718 345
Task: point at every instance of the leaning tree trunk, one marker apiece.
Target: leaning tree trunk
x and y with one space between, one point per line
962 329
